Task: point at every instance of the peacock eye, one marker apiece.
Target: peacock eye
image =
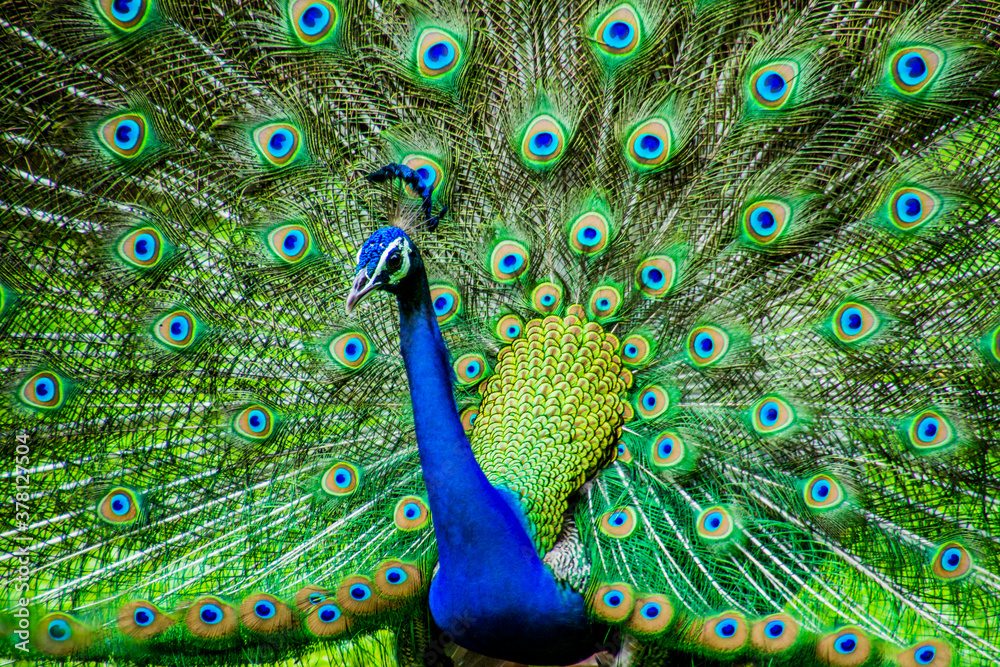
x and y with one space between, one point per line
394 262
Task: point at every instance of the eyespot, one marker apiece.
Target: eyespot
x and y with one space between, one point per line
354 595
210 618
509 327
605 301
706 346
438 53
546 297
468 418
620 31
430 172
265 614
470 368
764 222
726 632
178 330
313 21
350 350
927 653
254 422
618 523
648 146
141 620
612 602
327 621
930 430
141 248
124 15
278 143
951 562
508 261
667 450
340 479
823 492
60 634
652 401
771 86
125 135
43 390
715 523
914 68
589 234
990 346
651 615
120 506
622 453
853 322
636 350
290 243
771 415
911 207
655 276
544 141
396 579
846 647
307 598
447 302
775 633
412 513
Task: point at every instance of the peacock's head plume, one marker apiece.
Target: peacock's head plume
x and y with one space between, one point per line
386 261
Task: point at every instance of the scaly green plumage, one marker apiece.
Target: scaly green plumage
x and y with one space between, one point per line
748 208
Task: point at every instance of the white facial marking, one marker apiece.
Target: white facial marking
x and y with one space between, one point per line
404 248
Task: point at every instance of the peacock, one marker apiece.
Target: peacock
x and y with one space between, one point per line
461 332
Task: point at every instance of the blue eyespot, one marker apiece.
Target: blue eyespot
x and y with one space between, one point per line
44 388
618 518
618 34
649 400
621 449
927 429
395 575
353 349
653 278
851 321
543 143
210 613
511 262
316 598
179 328
329 613
650 610
472 369
613 598
120 504
314 19
771 86
631 351
924 655
820 491
145 247
411 510
648 146
513 331
603 304
774 629
439 55
443 303
59 630
704 345
951 559
294 242
343 478
548 299
909 208
427 174
126 10
846 643
769 413
713 521
589 236
257 420
726 628
666 448
912 69
143 616
762 221
264 609
127 134
280 143
360 592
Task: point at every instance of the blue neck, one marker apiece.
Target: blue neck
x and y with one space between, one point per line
492 591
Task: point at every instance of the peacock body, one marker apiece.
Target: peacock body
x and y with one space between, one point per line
697 306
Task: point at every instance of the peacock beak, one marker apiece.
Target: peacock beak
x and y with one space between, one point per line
362 286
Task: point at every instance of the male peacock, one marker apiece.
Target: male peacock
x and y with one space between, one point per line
697 305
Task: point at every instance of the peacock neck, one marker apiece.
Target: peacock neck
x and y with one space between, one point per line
491 592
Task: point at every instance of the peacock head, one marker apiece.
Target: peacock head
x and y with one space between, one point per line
385 261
